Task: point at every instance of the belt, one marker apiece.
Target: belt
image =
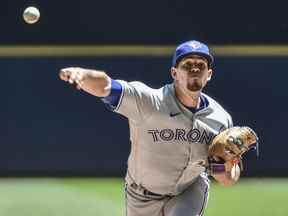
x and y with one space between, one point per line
142 190
146 192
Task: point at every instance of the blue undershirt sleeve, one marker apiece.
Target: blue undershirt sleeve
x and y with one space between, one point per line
113 98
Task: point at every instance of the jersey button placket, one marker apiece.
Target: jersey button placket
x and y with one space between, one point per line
190 141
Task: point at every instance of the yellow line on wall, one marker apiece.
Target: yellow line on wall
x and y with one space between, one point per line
84 50
133 50
256 50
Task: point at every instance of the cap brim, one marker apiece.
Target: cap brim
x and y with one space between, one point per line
209 58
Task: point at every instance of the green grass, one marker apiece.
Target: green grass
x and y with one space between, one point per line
255 197
102 196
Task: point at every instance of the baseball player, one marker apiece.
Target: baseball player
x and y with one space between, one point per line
170 131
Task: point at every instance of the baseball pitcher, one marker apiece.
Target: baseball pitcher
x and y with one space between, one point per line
171 129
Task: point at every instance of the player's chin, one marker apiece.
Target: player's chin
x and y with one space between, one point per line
194 86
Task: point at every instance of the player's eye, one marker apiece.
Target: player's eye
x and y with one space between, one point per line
187 66
201 65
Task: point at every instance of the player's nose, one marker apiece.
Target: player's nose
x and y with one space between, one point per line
194 70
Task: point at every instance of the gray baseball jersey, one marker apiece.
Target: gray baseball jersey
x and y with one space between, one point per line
168 141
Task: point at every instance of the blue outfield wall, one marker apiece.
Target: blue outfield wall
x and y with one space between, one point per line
145 22
49 128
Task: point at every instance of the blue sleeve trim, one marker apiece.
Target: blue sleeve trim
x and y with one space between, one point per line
114 97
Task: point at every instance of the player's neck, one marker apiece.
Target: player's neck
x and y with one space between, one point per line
188 98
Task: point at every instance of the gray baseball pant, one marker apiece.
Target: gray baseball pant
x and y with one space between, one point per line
191 202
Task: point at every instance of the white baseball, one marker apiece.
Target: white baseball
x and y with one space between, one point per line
235 172
31 15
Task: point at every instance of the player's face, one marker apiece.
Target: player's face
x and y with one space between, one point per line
192 73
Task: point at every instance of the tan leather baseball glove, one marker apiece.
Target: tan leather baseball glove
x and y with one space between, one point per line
228 147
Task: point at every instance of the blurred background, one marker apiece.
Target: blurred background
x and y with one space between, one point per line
63 153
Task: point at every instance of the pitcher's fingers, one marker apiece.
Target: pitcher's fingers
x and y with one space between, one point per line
236 160
79 84
78 76
64 75
72 77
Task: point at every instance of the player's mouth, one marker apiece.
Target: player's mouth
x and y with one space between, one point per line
194 75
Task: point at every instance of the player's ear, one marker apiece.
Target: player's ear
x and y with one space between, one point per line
210 72
173 72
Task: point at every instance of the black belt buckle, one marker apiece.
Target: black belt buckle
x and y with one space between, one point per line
149 193
145 191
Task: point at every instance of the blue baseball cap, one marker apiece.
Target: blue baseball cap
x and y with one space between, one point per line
190 48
